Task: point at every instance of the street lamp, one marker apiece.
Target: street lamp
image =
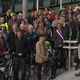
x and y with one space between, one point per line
60 4
37 5
25 8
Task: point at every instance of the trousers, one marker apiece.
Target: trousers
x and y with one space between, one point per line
19 65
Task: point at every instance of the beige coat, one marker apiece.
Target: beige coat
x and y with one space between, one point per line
40 53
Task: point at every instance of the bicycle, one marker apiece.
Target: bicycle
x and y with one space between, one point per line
3 65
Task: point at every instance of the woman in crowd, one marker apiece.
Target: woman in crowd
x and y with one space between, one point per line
3 46
41 54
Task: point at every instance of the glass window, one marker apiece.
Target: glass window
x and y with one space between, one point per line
46 3
64 1
18 1
30 0
53 2
0 1
75 0
5 5
41 2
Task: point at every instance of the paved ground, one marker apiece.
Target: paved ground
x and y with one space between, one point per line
69 75
63 75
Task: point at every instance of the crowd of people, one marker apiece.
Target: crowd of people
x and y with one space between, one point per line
35 34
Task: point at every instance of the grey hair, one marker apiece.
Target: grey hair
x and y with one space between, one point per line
30 26
14 25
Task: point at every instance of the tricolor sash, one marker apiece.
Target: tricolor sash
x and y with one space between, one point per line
59 35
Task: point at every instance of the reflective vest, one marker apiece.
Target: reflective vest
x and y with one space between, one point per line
5 25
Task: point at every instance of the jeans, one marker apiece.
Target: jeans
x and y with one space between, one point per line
61 57
31 57
39 69
19 65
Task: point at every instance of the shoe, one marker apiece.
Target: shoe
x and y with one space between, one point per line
77 74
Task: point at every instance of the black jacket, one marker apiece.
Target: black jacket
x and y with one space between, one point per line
31 40
11 40
20 46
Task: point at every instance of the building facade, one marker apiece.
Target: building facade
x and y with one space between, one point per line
17 4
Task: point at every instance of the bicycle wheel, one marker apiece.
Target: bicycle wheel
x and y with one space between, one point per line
35 73
10 74
28 73
10 71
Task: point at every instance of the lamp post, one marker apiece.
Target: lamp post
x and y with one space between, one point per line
60 4
37 5
25 8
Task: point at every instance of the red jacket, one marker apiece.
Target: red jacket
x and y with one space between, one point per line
3 48
52 16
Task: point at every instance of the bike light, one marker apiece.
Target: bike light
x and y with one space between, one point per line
2 69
